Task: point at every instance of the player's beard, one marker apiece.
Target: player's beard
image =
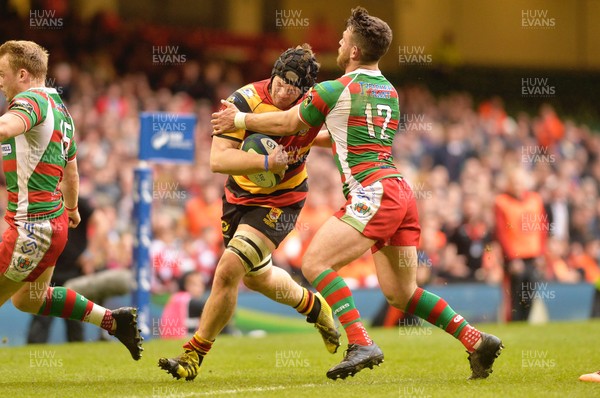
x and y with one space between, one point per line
343 59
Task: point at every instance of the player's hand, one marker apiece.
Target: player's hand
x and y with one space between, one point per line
74 218
222 121
278 160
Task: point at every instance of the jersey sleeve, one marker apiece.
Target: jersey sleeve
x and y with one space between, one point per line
30 107
240 102
319 101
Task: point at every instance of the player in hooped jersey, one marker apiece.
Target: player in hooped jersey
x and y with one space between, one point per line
256 220
39 162
361 112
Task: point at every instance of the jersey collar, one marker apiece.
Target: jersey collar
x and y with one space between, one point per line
369 72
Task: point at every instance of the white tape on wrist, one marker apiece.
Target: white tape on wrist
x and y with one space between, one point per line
240 120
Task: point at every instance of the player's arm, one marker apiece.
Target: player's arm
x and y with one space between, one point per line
323 139
25 111
70 190
272 123
227 158
11 125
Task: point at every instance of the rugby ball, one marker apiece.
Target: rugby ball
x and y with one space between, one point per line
263 145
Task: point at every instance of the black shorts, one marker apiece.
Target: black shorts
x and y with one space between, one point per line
275 222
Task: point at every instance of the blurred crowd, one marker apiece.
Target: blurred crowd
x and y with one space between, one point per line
455 153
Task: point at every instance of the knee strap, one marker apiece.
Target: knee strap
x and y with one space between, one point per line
252 251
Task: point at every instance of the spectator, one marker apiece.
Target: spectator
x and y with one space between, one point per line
521 229
472 237
182 312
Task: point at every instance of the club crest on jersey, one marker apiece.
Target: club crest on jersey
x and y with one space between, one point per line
225 226
273 216
22 264
6 149
309 98
361 208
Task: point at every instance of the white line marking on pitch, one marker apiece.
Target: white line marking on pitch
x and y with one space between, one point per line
238 391
253 389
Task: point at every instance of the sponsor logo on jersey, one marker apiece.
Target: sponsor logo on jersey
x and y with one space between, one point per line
273 216
247 92
22 105
6 149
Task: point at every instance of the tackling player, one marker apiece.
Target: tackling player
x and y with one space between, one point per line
361 112
256 220
40 165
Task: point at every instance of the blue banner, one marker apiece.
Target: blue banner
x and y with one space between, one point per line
142 206
167 137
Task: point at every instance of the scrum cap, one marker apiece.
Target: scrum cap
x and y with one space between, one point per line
297 67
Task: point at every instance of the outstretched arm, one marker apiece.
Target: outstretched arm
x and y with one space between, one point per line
273 123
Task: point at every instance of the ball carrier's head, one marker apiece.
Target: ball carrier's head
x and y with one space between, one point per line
294 73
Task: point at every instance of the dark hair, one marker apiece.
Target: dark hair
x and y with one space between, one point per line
297 67
370 34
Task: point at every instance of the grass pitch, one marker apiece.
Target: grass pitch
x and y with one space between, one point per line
538 361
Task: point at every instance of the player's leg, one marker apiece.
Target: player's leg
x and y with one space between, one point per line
242 255
33 272
397 274
278 285
39 298
396 264
335 245
218 311
268 227
7 289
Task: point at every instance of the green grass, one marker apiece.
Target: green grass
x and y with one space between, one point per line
539 361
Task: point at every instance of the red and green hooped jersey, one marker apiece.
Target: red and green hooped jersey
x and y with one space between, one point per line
34 161
361 112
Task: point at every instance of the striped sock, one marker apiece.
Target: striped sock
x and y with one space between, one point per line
309 306
199 344
436 311
66 303
333 288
